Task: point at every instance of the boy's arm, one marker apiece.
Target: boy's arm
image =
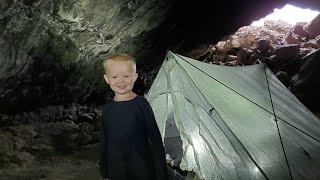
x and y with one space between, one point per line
155 142
103 151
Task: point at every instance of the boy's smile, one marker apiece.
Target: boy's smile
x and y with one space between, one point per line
121 77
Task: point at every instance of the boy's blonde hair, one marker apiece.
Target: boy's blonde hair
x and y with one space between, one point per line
118 57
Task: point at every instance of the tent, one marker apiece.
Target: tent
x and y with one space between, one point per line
235 122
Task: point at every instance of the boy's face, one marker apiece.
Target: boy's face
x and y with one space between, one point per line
121 76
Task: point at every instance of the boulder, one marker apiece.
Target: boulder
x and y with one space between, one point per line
42 151
292 38
287 51
15 138
255 59
305 51
216 58
283 77
273 36
310 44
235 41
86 127
299 30
223 46
15 159
5 121
242 56
230 58
244 37
318 40
313 27
68 137
278 26
306 86
262 45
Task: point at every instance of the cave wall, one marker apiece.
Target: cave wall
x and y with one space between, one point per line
50 51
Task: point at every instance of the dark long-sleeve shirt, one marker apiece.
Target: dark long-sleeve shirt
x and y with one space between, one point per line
131 143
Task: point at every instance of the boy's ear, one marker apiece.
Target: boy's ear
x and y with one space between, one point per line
106 78
135 77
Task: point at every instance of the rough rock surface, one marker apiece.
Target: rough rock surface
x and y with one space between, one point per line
313 27
50 51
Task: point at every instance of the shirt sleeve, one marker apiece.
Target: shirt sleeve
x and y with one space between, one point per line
155 142
103 150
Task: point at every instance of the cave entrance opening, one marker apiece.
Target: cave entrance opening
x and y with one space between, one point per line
290 14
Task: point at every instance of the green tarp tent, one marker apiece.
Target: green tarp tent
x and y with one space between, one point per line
235 122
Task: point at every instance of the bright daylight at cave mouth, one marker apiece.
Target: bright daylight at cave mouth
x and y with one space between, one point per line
290 14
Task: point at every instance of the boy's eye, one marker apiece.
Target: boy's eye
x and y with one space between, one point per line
126 76
113 77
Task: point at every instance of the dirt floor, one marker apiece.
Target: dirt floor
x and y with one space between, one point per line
79 166
82 165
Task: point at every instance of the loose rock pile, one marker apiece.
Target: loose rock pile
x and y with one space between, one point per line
290 51
44 133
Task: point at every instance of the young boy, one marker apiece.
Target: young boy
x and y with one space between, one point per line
131 142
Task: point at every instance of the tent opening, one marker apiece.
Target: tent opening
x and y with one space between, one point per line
173 146
173 142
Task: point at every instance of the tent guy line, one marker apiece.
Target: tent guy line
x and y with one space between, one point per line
276 120
249 99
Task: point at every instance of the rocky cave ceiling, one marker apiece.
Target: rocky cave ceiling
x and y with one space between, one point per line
50 51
